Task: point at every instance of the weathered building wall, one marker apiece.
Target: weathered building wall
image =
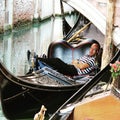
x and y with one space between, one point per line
14 13
1 15
20 10
23 10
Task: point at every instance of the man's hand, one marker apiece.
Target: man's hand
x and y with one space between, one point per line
79 64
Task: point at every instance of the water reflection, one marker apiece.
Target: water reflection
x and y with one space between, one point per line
37 38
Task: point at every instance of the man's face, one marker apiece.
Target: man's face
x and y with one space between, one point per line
93 49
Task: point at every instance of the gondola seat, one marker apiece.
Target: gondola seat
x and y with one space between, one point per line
68 52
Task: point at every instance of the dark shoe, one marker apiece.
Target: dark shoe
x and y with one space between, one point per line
43 56
28 55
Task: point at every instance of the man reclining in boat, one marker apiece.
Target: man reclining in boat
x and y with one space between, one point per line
82 66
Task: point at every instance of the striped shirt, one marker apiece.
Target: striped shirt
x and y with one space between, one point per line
89 60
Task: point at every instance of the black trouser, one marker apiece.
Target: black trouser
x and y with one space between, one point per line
60 66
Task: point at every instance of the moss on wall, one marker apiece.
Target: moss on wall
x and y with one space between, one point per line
1 30
21 23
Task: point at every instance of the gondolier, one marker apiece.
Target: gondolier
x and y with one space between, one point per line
84 65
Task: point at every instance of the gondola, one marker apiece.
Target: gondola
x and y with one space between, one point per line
22 96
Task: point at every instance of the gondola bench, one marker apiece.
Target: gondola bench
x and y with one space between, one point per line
68 52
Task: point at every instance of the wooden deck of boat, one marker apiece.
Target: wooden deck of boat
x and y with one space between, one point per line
104 108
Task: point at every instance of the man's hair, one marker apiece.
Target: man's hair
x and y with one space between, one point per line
97 45
98 54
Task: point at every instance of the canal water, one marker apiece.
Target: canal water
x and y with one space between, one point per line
37 37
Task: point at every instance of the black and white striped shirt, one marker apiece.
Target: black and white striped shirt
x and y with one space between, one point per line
89 60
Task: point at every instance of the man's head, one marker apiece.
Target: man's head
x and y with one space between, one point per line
94 49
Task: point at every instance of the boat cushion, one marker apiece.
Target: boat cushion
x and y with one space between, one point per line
67 52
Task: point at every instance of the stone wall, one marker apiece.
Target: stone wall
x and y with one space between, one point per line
1 16
14 13
23 10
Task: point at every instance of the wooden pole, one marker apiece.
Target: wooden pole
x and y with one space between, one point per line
108 42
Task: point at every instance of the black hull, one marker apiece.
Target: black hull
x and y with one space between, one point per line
18 102
22 99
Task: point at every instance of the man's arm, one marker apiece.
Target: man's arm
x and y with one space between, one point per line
79 64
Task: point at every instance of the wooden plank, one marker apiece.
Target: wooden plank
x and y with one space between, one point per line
105 108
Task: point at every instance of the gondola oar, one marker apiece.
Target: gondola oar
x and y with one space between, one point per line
77 96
